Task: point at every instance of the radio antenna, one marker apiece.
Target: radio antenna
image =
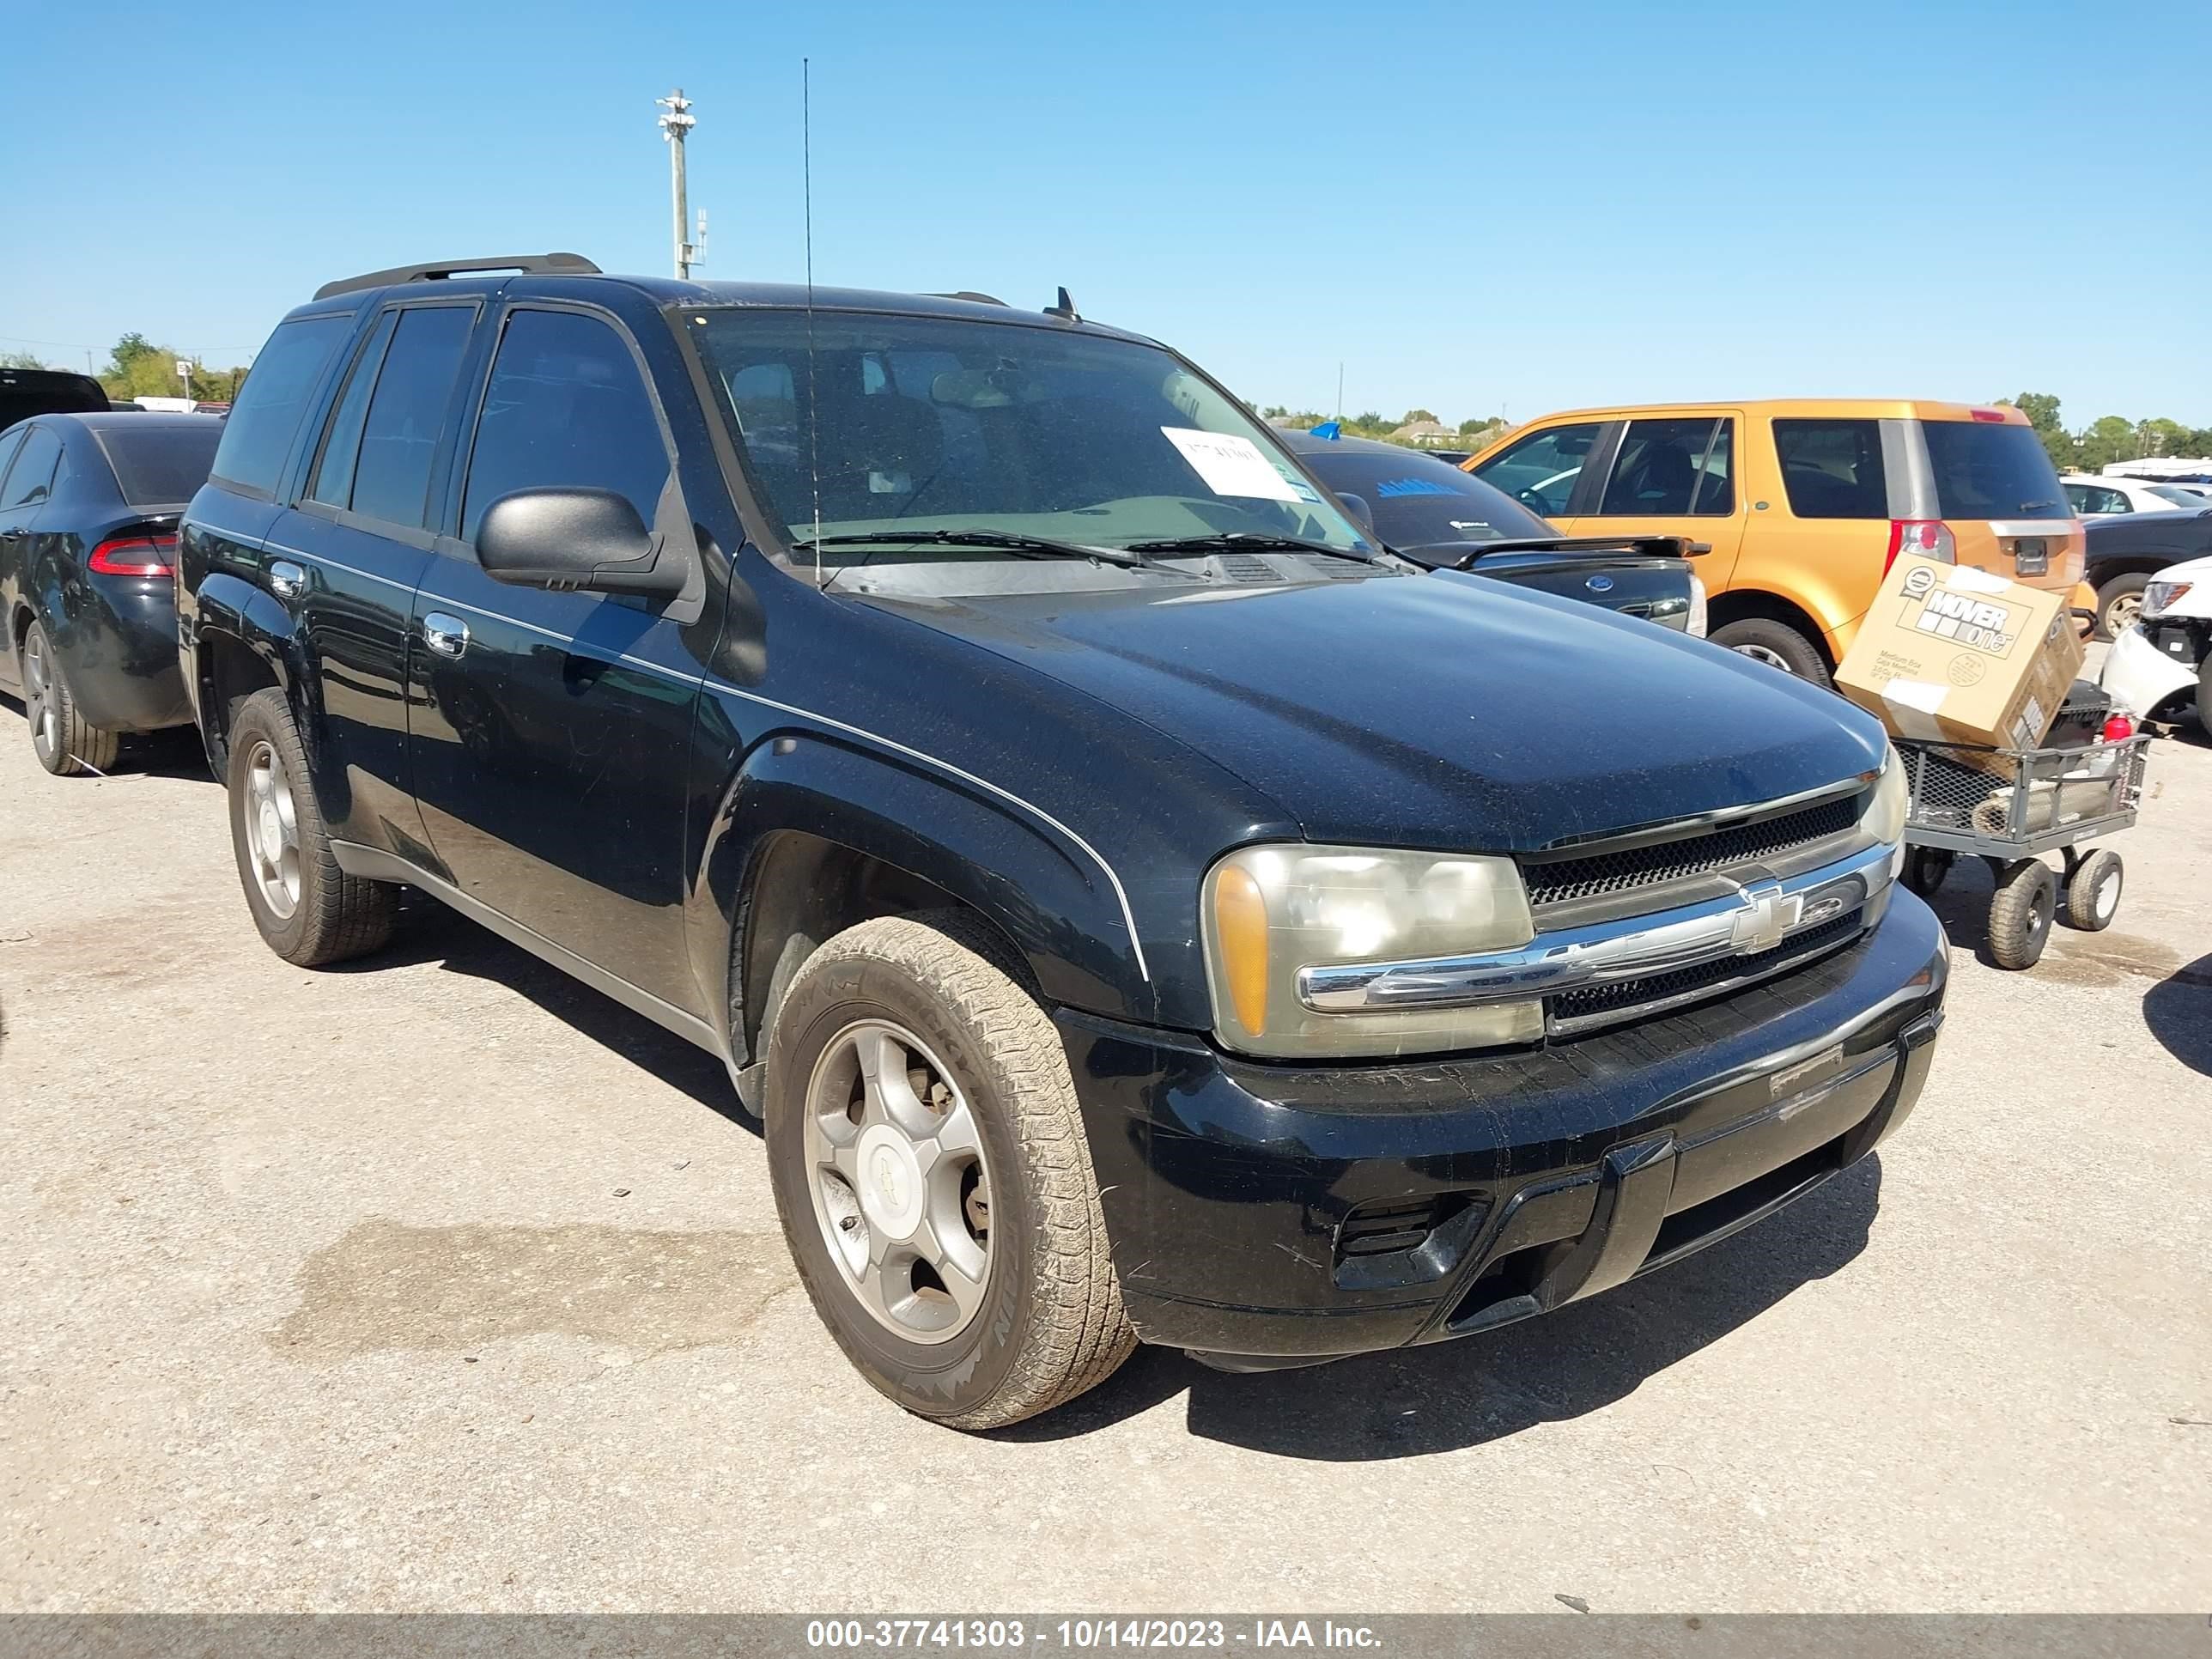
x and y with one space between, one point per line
813 397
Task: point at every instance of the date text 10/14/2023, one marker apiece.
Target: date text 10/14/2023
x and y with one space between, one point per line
943 1635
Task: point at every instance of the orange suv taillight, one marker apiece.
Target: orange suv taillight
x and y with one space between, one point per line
1929 538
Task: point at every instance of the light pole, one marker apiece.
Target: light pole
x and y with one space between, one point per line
675 126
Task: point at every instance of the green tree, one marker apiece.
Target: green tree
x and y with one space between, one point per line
1413 415
2110 439
20 359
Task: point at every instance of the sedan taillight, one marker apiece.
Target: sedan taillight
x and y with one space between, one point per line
134 555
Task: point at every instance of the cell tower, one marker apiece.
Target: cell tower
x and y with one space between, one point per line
675 126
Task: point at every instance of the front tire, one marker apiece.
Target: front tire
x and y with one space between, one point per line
2119 604
2020 914
65 745
1777 645
309 910
933 1176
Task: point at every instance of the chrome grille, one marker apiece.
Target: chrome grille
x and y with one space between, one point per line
1565 880
1604 1005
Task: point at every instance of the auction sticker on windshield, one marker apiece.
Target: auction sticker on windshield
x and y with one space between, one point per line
1230 464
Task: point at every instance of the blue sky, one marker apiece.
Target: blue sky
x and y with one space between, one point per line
1475 207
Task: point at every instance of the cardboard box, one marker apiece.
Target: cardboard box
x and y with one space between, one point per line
1955 654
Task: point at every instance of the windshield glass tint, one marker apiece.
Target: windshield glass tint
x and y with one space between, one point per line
158 466
894 423
1419 501
1985 470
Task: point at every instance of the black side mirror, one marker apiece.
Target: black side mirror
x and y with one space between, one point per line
587 539
1356 505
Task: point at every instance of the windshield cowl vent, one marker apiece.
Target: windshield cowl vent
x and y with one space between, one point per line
1243 568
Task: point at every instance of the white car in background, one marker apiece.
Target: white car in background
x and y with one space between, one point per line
2165 659
2094 497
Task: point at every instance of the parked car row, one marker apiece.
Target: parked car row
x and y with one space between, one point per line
1139 903
1804 503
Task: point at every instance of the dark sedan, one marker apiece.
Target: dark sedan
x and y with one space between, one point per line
89 509
1437 515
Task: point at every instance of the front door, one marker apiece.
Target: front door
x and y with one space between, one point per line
552 730
1675 475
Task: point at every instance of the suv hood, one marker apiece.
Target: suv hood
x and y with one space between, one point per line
1431 711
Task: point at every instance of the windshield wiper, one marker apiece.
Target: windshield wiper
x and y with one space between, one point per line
1241 541
1035 547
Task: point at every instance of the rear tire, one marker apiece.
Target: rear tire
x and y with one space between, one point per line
2204 694
309 910
2119 603
64 743
2093 892
1777 645
1037 1318
2020 914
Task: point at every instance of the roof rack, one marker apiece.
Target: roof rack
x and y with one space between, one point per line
533 264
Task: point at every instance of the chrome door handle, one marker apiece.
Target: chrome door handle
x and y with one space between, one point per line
446 635
287 579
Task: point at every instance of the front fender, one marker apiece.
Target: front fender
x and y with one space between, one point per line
1056 902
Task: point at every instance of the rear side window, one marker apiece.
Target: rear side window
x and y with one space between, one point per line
1833 469
2096 498
1986 471
163 465
10 443
333 481
565 406
1673 467
407 411
31 480
266 416
1539 471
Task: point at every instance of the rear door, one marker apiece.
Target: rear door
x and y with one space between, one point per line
1823 537
552 730
24 498
356 543
1673 475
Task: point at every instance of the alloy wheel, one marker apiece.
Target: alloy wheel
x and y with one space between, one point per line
899 1180
38 693
2122 614
1766 654
272 831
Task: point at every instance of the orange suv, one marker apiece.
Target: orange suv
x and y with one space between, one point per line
1804 502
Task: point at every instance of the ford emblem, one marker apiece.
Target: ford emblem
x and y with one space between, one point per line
1599 584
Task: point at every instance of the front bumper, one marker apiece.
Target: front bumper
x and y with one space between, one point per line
1270 1215
2153 663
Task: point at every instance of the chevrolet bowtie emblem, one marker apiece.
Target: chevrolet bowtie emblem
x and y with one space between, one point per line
1767 917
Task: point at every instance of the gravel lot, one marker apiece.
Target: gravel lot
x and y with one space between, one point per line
443 1283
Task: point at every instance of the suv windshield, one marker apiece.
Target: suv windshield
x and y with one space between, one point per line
1983 471
892 423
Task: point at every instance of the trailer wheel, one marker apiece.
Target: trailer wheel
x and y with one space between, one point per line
2093 892
1925 868
2020 914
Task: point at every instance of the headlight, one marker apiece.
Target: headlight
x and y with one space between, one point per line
1269 911
1697 629
2159 597
1885 814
